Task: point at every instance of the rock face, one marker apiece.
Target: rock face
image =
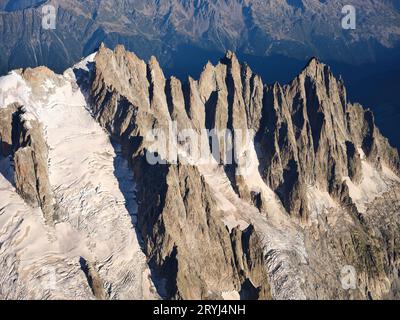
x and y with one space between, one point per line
30 160
94 280
276 212
180 221
311 136
22 138
6 130
306 135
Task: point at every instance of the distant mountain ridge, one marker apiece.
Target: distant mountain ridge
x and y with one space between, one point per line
275 37
297 29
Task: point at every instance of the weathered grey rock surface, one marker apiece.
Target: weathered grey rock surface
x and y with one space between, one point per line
315 188
307 135
22 138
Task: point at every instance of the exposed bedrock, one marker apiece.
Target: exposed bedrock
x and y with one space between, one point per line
22 138
305 134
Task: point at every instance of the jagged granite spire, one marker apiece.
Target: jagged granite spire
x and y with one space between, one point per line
306 137
314 186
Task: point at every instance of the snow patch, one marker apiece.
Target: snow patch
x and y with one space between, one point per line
231 295
84 64
319 202
13 89
373 184
90 181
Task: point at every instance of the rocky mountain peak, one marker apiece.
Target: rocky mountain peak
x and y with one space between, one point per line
230 56
309 119
313 63
286 204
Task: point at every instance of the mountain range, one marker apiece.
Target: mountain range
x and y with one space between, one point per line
294 28
313 190
275 37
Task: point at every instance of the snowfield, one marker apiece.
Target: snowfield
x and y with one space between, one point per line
90 180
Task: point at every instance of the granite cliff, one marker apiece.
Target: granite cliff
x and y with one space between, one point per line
311 187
